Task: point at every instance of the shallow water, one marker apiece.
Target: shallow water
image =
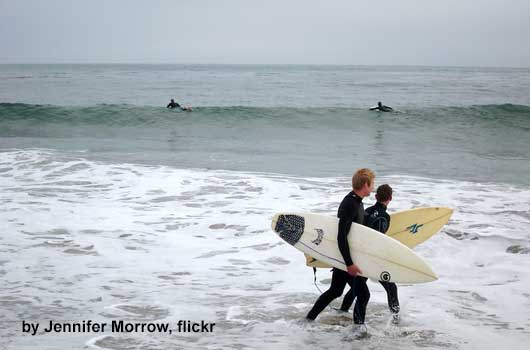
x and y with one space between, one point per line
92 240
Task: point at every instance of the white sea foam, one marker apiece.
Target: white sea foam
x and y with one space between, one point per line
87 240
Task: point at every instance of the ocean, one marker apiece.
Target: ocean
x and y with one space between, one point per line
115 208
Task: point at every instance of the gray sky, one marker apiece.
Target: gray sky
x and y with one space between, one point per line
364 32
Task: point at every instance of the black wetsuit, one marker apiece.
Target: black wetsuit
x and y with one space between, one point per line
351 210
382 108
377 218
173 104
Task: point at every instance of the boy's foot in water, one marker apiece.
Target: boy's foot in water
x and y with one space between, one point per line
360 331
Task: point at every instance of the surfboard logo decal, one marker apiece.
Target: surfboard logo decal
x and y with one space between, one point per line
320 235
414 228
385 276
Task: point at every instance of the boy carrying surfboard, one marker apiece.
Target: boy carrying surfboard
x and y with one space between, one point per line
351 210
377 218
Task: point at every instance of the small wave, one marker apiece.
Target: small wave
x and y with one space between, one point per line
125 114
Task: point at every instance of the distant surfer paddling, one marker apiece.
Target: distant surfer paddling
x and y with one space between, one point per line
381 107
172 104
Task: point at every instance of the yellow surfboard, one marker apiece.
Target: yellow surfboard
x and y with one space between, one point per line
410 227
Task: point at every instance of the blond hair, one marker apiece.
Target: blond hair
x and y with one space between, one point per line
361 177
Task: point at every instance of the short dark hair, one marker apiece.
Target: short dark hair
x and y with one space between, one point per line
384 193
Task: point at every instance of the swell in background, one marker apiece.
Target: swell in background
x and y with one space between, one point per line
479 143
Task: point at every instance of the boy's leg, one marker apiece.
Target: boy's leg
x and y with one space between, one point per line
339 279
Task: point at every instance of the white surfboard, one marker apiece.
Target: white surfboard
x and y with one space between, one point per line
379 257
410 227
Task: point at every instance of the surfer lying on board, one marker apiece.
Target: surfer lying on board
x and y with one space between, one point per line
377 218
172 104
351 210
381 107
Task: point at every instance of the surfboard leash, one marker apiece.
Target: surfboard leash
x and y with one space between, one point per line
315 279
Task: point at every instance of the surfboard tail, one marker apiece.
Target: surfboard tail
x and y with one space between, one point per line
289 227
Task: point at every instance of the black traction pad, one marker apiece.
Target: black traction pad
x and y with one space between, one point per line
290 228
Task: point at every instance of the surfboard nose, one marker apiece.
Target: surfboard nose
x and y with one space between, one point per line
429 272
289 227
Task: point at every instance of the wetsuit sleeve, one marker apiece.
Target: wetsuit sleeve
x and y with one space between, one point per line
387 223
380 225
347 210
342 239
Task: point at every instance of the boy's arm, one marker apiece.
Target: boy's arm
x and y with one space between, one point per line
345 223
387 223
342 240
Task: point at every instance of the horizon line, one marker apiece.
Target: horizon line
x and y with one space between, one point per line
264 64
